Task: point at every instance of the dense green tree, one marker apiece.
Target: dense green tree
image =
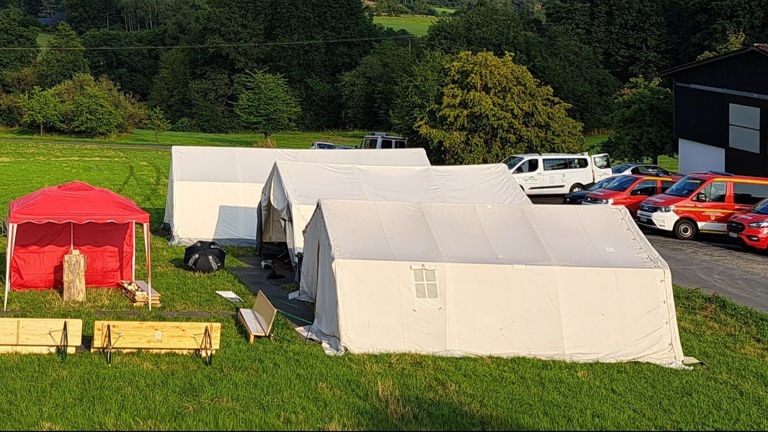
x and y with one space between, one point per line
41 109
479 108
64 58
267 105
391 8
93 115
170 89
642 123
734 42
629 35
84 15
132 69
368 90
552 53
13 34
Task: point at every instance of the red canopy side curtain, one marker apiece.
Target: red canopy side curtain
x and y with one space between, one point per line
49 223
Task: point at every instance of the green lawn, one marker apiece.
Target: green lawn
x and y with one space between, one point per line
286 384
444 11
416 25
147 137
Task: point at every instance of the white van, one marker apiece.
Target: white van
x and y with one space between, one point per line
558 173
381 140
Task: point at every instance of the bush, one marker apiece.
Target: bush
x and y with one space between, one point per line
184 125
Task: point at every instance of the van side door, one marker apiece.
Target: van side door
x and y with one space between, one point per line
529 174
714 206
555 173
601 167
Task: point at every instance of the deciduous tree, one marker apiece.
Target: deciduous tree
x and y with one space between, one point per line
478 108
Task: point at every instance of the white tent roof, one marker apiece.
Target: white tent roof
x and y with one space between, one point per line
293 188
213 192
558 282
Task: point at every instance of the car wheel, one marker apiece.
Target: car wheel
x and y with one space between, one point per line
577 187
685 229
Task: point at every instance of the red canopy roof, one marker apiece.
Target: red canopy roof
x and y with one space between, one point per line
76 202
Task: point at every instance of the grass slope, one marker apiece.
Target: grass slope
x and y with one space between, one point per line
416 25
286 384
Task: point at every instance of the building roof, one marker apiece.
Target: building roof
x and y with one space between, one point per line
760 48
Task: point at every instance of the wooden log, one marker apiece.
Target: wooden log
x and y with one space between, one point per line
74 276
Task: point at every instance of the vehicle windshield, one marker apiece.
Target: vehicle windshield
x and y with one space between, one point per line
512 161
621 184
620 168
761 207
685 187
602 183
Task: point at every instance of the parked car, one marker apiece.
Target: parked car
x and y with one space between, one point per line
576 197
557 173
630 191
750 228
382 140
641 168
701 202
322 145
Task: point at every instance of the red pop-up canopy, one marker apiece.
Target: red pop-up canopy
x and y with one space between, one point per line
46 225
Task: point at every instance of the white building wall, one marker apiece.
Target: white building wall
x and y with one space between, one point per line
698 157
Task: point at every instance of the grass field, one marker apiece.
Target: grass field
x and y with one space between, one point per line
416 25
286 384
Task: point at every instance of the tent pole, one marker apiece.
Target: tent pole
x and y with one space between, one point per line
9 251
149 271
71 236
133 257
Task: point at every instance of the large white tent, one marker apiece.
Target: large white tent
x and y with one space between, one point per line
570 283
291 192
213 192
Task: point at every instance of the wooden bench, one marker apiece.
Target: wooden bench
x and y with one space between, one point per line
258 321
40 335
159 337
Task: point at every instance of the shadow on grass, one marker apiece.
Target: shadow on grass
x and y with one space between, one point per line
179 263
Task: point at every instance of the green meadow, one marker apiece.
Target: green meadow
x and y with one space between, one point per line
287 384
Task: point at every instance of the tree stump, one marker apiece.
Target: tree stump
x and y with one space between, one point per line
74 276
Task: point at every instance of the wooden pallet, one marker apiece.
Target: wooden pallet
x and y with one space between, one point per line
138 293
203 338
40 335
258 321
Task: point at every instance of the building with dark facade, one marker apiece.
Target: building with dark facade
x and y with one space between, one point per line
721 112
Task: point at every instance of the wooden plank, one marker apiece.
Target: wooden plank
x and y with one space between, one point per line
132 335
265 312
40 332
250 323
18 349
144 287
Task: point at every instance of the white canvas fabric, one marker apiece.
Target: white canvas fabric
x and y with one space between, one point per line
213 192
291 192
570 283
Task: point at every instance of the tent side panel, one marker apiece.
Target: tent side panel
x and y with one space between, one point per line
108 249
221 212
38 255
381 308
505 311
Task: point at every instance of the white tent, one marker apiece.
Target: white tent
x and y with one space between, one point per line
213 192
573 283
291 192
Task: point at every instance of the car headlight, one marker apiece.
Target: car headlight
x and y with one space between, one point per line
761 224
666 209
605 201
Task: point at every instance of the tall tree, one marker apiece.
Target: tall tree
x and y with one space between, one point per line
84 15
267 105
64 57
642 123
368 90
13 34
479 108
41 109
552 53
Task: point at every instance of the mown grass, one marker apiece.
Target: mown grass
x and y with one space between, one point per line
284 383
415 25
170 138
